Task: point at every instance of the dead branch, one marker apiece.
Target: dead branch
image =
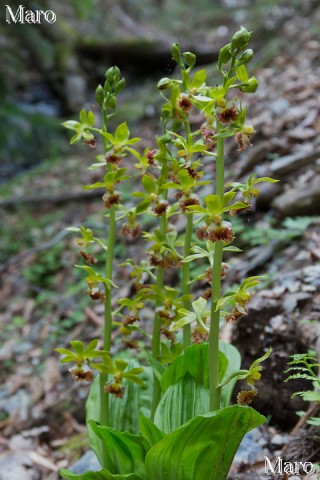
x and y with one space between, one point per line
56 199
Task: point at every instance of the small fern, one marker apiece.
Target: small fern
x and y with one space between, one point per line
305 366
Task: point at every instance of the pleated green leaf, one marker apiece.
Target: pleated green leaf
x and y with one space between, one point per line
149 430
125 411
181 402
101 475
124 452
194 361
203 448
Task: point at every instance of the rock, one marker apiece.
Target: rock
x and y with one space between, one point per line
299 200
255 156
291 163
87 462
17 405
278 440
279 106
15 466
293 300
251 447
311 274
302 133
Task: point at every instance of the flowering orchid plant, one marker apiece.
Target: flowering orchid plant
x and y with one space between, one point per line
170 416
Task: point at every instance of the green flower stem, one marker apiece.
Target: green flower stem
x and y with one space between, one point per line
186 266
104 397
156 394
214 371
238 373
107 327
186 278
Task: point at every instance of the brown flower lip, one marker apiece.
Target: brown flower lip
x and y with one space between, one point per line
130 232
160 208
111 199
199 335
221 233
187 203
150 156
88 258
227 115
114 389
201 233
130 319
91 143
113 158
245 397
192 172
185 104
233 316
169 335
243 141
81 375
96 294
132 344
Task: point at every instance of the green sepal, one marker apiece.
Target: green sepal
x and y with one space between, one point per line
242 73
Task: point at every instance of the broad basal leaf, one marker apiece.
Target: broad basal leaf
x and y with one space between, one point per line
125 411
204 448
149 430
123 452
194 361
101 475
181 402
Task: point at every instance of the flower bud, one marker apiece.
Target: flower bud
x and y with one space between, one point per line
112 75
112 102
246 56
100 95
240 39
221 102
124 330
164 139
224 54
164 83
250 86
248 129
176 53
190 59
119 86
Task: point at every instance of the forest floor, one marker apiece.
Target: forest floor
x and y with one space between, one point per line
42 419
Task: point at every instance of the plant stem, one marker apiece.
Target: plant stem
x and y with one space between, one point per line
186 278
107 327
104 397
156 394
214 371
186 266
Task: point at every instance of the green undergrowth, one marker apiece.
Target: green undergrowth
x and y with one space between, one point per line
262 233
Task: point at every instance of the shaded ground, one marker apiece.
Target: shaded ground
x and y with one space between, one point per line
41 410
